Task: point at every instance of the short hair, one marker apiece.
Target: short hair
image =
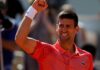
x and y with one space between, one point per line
68 14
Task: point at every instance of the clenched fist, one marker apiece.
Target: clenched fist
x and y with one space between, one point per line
40 5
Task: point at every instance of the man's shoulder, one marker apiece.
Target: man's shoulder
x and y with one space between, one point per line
42 44
84 52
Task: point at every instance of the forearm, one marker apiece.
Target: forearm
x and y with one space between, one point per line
24 29
22 39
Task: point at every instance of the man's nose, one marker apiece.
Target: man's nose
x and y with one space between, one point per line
65 29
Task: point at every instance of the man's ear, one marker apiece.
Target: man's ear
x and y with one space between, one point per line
77 29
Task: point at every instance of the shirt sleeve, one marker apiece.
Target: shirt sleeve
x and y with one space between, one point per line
40 49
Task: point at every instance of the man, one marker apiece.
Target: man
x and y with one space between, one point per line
64 54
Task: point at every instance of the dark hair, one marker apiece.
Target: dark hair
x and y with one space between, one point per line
2 5
68 14
14 7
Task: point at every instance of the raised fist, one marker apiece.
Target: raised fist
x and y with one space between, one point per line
40 5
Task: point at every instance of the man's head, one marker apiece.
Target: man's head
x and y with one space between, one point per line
68 15
67 25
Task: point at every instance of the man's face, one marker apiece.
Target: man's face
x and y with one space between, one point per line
66 30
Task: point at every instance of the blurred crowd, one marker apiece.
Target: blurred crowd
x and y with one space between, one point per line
11 13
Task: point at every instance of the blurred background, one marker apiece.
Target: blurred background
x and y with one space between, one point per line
12 12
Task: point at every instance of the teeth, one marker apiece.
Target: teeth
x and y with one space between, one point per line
64 34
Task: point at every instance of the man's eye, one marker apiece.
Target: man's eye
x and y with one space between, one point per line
61 26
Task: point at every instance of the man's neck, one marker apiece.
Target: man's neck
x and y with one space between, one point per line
68 46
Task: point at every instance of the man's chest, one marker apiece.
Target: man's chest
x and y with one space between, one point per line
62 62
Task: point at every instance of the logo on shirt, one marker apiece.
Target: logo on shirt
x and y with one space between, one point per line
83 63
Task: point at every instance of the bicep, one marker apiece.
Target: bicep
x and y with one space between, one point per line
29 45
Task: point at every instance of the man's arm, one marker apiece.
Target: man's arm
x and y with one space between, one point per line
22 39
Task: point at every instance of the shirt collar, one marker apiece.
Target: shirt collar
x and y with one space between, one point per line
57 45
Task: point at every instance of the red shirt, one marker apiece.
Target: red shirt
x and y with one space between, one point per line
53 57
